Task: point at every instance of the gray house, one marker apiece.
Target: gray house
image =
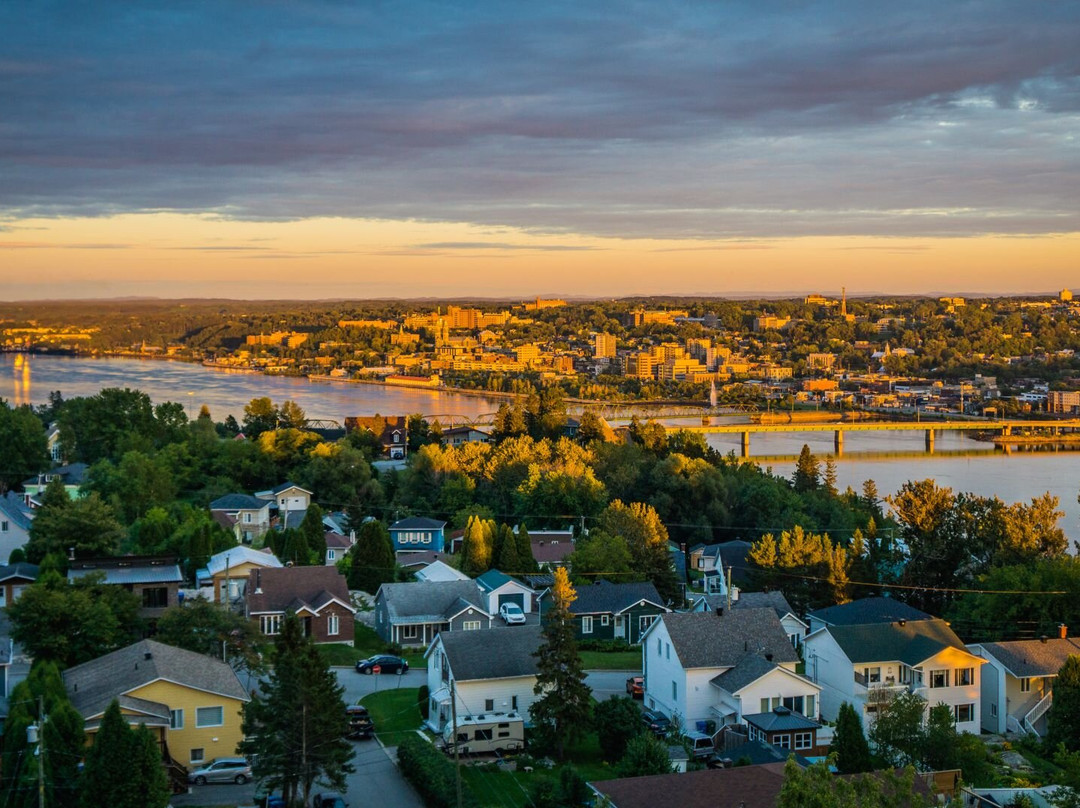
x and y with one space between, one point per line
607 611
15 519
413 613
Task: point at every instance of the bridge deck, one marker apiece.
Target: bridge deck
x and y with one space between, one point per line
880 426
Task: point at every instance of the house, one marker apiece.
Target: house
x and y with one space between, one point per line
337 546
190 701
228 571
391 432
286 497
485 671
417 533
14 579
870 663
1016 686
705 557
607 611
15 518
246 516
439 570
551 547
733 558
775 600
863 612
458 435
413 613
319 596
415 560
73 476
719 667
739 787
786 730
155 580
500 588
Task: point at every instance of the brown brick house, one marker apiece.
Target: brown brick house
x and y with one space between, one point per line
319 596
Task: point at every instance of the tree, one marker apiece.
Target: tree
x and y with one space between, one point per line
314 533
618 721
23 448
371 559
526 561
476 546
291 416
260 415
1064 719
647 539
600 556
808 567
645 754
849 743
123 767
84 526
106 425
898 734
292 547
830 476
807 475
563 706
295 728
507 558
147 771
206 628
817 787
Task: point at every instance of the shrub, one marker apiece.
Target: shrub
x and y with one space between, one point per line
431 773
422 701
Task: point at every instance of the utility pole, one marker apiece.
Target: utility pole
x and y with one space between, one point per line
41 752
729 588
457 751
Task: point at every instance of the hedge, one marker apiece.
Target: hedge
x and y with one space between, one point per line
431 773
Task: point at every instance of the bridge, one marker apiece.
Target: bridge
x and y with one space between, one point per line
930 428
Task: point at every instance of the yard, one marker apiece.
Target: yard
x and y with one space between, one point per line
395 713
366 643
611 660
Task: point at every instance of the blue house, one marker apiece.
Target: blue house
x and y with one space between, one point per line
417 533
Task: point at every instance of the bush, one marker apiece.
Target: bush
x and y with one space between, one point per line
431 773
422 701
606 646
394 649
617 720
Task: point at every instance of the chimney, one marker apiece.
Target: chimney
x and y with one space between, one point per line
719 611
148 655
71 554
768 657
1063 631
258 582
1043 639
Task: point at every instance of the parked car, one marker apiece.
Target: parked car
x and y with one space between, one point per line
222 770
512 614
328 801
635 687
361 725
385 662
657 723
699 745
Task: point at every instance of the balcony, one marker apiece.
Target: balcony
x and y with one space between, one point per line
886 684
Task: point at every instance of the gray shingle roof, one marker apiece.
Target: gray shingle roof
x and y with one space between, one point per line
1023 658
749 669
237 502
16 509
494 653
780 719
417 523
429 601
709 640
606 597
92 685
868 610
774 600
277 589
911 643
758 752
20 569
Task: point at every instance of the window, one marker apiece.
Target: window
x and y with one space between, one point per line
764 706
794 703
782 741
470 625
513 703
270 623
331 555
804 740
963 677
644 621
197 756
658 646
489 705
811 707
872 676
604 619
674 690
993 710
209 716
176 719
667 651
1025 685
4 526
586 625
482 735
939 678
408 632
333 625
155 597
964 713
247 518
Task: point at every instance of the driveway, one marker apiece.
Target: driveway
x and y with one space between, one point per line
358 685
606 684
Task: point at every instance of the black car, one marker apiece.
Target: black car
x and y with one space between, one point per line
361 727
385 663
657 723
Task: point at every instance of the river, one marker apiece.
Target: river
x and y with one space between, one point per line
888 458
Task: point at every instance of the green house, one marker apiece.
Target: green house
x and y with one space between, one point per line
607 611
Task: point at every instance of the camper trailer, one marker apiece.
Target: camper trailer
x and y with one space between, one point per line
485 734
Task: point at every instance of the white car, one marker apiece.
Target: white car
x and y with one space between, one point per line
511 614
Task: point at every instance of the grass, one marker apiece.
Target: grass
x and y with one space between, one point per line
394 712
611 660
366 643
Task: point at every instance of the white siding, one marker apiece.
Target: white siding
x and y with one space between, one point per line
776 684
510 588
662 667
828 666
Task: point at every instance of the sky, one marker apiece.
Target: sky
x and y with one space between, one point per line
507 149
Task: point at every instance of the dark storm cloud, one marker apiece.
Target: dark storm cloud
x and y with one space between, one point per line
620 119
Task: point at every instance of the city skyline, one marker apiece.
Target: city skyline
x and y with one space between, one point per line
319 150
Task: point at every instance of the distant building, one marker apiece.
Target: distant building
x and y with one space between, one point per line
155 580
392 432
417 533
1063 401
604 346
1065 296
769 322
541 303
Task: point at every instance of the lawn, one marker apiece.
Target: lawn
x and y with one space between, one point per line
611 660
394 711
366 643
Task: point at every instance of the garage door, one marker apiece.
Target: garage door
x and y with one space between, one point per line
519 599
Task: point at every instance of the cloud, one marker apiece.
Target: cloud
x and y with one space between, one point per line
494 245
44 245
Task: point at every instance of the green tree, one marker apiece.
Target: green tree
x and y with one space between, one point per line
107 777
563 706
811 570
295 728
476 546
291 416
292 547
314 533
23 448
898 734
524 550
1063 725
260 415
206 628
147 771
618 721
507 558
807 475
817 787
645 755
106 425
849 743
84 526
647 539
600 556
371 559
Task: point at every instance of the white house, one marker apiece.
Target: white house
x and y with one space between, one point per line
718 666
868 664
15 519
247 516
338 546
796 629
492 670
439 570
863 611
289 497
500 588
1017 681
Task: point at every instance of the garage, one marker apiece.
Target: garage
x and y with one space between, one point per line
518 598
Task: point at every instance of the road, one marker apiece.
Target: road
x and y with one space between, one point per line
606 684
358 685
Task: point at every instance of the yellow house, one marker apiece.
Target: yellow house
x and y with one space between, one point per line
229 570
191 701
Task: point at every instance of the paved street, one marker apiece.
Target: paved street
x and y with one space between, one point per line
606 684
358 685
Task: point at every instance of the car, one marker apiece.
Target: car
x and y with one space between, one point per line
222 770
361 726
512 614
657 723
635 687
699 745
328 801
385 662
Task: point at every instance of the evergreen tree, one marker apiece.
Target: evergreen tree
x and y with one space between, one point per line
294 547
524 550
849 743
476 546
146 770
107 776
507 559
807 475
563 706
645 754
314 533
371 559
618 720
830 476
1064 718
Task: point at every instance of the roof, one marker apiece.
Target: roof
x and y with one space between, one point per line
92 685
547 551
238 555
281 589
606 597
417 523
16 509
471 658
759 752
746 671
774 600
291 519
125 570
20 569
71 474
868 610
733 555
1023 658
780 719
429 601
493 579
715 640
439 571
910 643
416 558
337 540
238 502
740 787
277 489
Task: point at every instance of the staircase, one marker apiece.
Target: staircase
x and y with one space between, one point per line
1037 712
